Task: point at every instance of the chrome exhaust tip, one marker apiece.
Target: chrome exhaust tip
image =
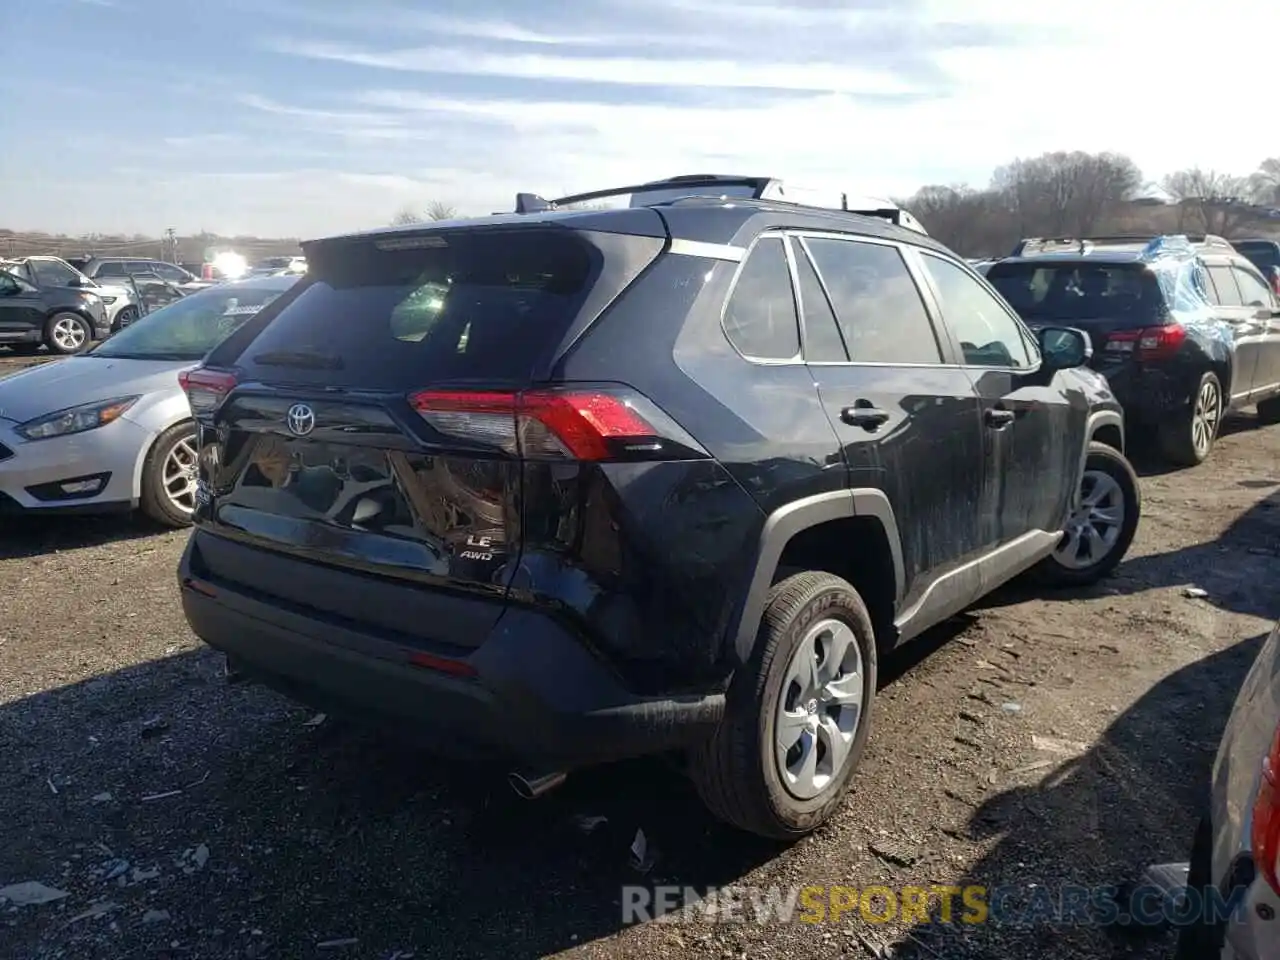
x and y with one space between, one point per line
531 788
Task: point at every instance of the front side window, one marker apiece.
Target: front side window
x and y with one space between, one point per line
112 268
1252 290
881 315
988 335
760 318
51 273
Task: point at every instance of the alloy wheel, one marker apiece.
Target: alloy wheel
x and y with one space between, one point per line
1094 527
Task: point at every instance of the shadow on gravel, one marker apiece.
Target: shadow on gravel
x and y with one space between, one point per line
314 833
321 832
1101 818
34 536
1237 571
1144 452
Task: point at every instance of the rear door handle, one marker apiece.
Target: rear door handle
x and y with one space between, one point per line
1000 418
867 417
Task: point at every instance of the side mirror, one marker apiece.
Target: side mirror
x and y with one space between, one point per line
1064 347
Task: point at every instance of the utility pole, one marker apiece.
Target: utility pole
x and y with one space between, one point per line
171 238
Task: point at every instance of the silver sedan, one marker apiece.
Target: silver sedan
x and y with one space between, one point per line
110 430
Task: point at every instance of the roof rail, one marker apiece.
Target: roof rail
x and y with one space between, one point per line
1040 244
715 185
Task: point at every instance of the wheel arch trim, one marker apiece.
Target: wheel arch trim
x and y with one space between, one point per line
794 518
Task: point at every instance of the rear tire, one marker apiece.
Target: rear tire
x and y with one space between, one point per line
814 659
1108 487
1269 412
67 333
1187 438
162 478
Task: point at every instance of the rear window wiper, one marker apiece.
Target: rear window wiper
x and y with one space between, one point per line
299 358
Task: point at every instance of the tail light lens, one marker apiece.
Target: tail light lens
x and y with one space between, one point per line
593 424
206 389
1151 343
1275 280
1266 818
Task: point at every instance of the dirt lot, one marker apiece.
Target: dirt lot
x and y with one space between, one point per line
1036 742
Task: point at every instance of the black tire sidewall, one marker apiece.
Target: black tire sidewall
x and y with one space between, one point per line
1112 462
53 345
1178 432
833 600
126 316
155 502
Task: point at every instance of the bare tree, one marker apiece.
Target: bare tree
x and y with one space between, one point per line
1208 201
439 210
405 217
967 220
1066 194
1264 184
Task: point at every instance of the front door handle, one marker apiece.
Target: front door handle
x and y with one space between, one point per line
1000 418
862 414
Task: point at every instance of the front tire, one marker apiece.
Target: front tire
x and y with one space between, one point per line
169 477
1187 438
125 317
67 333
798 713
1100 531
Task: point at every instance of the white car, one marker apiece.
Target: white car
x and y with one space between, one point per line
110 429
1231 886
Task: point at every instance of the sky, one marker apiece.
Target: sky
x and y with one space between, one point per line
308 117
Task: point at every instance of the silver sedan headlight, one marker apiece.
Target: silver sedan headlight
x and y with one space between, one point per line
87 416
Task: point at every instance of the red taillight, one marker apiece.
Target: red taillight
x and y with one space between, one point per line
555 424
1152 343
1275 280
206 389
1265 835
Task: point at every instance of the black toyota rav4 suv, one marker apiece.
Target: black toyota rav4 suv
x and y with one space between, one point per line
567 486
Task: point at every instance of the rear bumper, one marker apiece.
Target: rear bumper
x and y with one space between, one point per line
1148 395
535 696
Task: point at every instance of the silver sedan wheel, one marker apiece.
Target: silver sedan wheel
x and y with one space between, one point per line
1205 417
1094 528
69 334
819 709
178 476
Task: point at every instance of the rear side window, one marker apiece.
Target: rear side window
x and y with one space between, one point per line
112 268
476 305
760 317
1225 285
822 340
877 303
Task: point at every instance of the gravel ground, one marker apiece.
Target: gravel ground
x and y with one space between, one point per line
1034 742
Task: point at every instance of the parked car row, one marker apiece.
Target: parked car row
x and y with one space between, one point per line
1185 330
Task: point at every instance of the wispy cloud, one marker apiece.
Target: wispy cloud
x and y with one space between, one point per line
630 71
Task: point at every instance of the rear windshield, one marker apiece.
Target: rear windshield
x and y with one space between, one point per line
1078 291
1262 254
479 305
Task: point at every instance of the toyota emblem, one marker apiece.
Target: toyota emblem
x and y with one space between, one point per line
301 419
